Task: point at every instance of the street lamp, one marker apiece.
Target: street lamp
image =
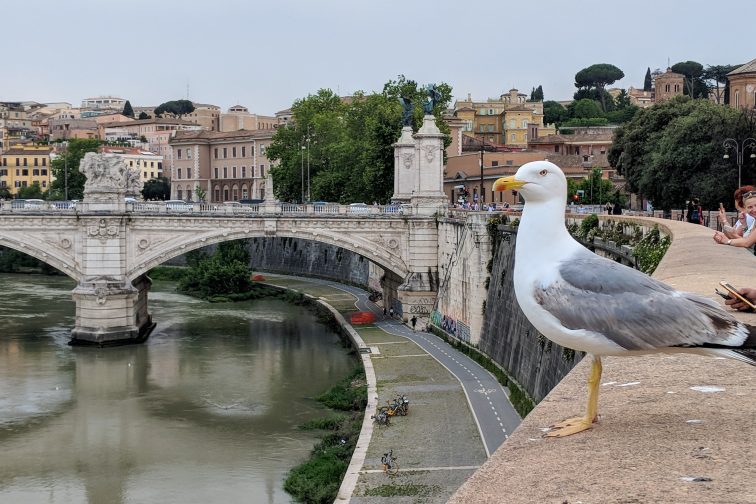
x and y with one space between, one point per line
748 143
303 186
309 195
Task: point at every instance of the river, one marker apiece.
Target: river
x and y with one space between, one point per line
205 411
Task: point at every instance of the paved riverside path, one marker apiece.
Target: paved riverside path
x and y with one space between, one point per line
439 444
487 398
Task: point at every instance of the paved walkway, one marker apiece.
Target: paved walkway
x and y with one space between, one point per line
438 445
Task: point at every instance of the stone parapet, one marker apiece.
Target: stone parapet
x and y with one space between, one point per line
673 428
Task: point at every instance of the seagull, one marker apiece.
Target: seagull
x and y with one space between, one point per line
588 303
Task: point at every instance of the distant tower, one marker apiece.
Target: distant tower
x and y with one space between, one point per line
668 85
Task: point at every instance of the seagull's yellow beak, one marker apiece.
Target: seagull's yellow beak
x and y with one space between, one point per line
505 183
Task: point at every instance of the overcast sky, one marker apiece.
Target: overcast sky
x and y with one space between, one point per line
266 54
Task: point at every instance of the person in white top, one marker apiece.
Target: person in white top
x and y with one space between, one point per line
745 221
748 239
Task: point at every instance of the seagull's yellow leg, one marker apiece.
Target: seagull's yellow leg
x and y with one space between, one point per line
579 424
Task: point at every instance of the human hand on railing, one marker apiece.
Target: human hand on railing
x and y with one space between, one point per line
720 237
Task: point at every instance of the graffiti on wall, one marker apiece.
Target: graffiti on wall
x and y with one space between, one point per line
456 328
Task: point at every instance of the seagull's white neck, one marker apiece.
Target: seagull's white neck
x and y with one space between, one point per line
542 234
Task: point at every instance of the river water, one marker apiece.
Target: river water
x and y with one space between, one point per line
205 411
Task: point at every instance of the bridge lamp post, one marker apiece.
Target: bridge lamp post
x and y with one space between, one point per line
309 195
301 157
748 143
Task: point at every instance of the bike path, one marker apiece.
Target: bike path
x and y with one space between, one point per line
493 413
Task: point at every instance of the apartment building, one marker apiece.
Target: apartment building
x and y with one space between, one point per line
157 132
239 117
226 166
24 165
508 120
148 164
15 125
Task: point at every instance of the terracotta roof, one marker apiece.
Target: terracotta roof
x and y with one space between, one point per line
27 152
749 67
184 136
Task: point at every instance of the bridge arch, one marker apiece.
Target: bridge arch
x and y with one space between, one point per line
370 250
43 252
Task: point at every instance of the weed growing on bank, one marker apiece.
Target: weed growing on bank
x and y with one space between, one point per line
317 480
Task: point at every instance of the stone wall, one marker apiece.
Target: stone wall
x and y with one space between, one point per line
509 339
295 256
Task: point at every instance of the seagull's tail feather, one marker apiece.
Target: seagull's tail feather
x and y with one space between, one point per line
747 351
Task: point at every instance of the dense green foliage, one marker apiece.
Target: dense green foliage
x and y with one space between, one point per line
70 158
554 112
536 94
176 108
143 115
33 191
128 110
693 84
673 151
157 189
597 77
221 276
347 144
594 190
647 81
318 479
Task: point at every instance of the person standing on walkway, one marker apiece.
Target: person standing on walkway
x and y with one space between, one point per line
391 312
414 322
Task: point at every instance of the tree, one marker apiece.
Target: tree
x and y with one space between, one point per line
713 76
647 82
5 193
176 108
598 76
536 94
351 157
673 151
226 272
143 115
127 110
157 189
585 108
70 160
694 86
598 190
554 113
199 192
33 191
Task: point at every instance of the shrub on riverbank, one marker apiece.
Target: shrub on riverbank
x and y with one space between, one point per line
318 479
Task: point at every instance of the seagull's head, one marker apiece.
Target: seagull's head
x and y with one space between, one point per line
537 181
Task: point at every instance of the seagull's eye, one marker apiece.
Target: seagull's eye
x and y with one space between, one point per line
543 172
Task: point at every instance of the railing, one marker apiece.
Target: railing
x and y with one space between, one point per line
217 209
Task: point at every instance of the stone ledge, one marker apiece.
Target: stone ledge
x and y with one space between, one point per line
652 435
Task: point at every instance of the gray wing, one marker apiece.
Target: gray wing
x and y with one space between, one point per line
632 309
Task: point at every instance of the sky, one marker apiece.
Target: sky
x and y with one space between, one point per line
264 55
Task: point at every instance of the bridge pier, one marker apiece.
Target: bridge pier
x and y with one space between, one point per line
111 312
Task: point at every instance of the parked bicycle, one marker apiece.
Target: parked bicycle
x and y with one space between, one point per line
399 406
381 418
390 465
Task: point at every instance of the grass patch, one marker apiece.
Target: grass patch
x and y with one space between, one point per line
406 490
318 479
521 400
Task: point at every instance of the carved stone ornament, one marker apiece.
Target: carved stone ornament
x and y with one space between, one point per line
430 152
102 295
104 231
108 177
407 159
65 243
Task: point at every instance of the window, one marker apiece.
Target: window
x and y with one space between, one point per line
189 173
215 172
18 161
245 194
179 174
252 151
244 171
35 172
494 163
556 148
513 137
178 153
233 171
524 123
44 183
145 175
26 162
509 162
244 151
36 162
737 102
215 153
25 172
262 170
225 194
233 151
179 193
225 153
262 150
225 172
512 124
188 154
216 197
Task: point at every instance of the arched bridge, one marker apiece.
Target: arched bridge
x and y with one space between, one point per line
107 247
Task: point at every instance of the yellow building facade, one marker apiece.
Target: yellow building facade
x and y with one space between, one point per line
22 166
509 120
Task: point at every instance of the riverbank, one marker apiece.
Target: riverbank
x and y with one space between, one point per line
438 445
